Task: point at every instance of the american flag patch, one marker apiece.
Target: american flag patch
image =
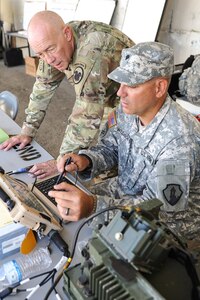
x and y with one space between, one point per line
112 119
198 117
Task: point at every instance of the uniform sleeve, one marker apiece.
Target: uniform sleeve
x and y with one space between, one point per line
83 125
170 187
170 181
104 155
47 81
94 92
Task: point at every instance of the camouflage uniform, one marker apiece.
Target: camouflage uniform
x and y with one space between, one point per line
159 161
189 82
97 52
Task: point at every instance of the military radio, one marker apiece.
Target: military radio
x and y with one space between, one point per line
134 257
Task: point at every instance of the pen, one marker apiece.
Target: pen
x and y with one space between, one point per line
20 170
68 161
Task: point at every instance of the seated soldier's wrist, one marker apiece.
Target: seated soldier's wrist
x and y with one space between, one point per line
89 166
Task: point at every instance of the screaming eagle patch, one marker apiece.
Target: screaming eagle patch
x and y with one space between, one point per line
78 74
172 193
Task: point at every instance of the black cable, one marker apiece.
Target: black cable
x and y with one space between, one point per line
123 208
34 184
167 229
7 291
48 277
45 280
57 280
18 181
75 241
89 219
59 242
185 259
184 246
53 286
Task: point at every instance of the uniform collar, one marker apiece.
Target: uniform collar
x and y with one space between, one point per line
148 133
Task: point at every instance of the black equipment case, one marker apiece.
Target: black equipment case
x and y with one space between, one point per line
11 56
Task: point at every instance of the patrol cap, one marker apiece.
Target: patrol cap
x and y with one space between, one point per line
143 62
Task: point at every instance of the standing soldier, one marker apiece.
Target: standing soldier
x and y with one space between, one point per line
85 52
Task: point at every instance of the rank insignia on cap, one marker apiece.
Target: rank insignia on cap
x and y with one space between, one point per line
112 121
78 74
172 193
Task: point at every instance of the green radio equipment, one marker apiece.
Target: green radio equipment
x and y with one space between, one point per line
134 257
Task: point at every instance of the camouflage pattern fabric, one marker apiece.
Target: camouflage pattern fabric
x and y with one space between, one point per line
143 62
161 161
189 80
97 52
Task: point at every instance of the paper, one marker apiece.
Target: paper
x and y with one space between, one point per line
3 136
5 216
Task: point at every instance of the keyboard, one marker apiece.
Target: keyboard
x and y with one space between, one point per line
42 187
47 185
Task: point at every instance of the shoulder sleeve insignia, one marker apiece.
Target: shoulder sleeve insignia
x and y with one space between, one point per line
172 193
78 74
112 120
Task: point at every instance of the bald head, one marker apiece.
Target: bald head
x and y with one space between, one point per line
44 22
51 39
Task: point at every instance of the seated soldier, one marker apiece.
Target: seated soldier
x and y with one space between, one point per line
154 142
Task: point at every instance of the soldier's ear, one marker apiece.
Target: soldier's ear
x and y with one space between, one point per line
161 87
67 33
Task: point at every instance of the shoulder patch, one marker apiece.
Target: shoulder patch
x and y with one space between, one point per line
112 120
172 193
78 74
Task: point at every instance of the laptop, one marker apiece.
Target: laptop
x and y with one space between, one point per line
42 187
25 207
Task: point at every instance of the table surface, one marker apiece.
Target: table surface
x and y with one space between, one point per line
11 160
21 34
14 158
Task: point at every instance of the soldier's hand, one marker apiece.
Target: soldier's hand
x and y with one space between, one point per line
72 203
78 163
45 169
21 140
